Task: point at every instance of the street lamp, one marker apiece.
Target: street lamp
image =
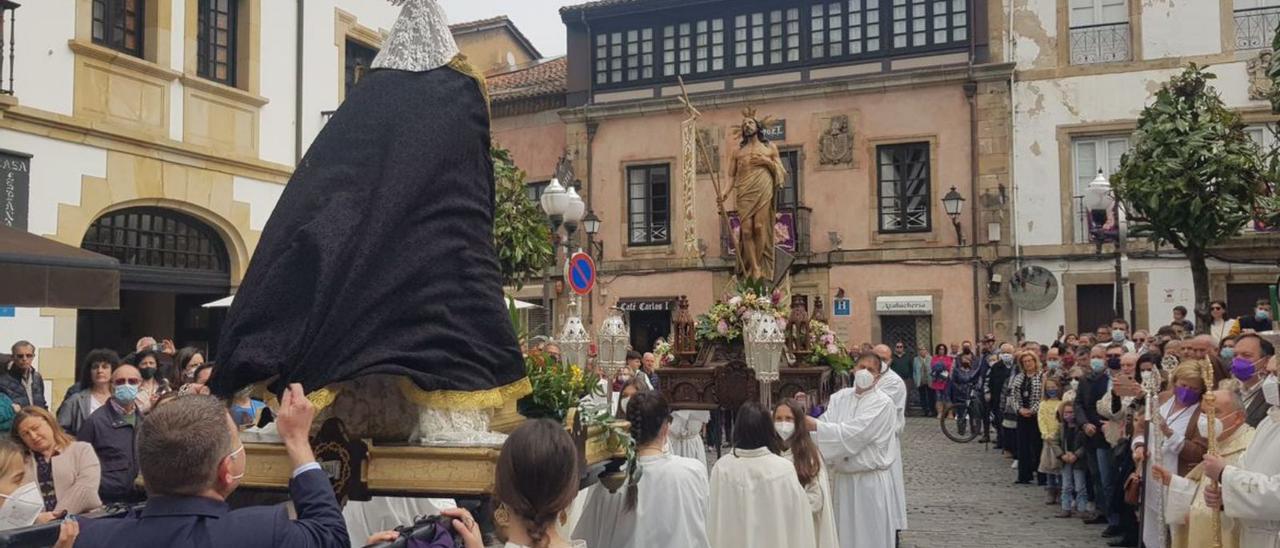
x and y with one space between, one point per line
1100 198
574 340
563 207
613 341
953 203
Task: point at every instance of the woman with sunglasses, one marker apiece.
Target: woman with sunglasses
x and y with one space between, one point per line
1222 326
95 389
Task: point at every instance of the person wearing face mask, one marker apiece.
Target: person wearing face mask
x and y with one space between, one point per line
1099 455
755 499
858 440
153 384
788 419
1162 439
1258 322
1250 356
893 386
193 460
1120 334
1185 510
999 371
1249 490
112 430
20 502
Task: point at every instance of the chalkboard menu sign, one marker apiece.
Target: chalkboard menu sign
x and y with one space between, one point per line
15 187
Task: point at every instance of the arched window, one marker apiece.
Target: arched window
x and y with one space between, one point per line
158 238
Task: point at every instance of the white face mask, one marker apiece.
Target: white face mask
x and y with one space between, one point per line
232 456
785 429
1271 390
863 379
623 404
1203 425
21 507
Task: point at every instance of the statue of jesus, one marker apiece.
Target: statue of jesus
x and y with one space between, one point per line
757 172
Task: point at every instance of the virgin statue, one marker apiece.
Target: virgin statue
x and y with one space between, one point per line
375 282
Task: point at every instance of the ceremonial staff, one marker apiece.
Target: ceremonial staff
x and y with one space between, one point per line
1215 517
694 115
1151 390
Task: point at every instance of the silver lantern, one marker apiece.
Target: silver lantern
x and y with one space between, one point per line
764 342
613 342
574 340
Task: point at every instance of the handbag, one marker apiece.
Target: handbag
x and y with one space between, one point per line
1133 489
428 532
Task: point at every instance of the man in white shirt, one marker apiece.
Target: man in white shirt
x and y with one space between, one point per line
893 386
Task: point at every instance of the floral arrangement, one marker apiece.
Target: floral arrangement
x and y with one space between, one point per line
827 348
665 352
557 388
724 322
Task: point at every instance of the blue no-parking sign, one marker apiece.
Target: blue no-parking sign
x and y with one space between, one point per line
7 312
580 273
841 308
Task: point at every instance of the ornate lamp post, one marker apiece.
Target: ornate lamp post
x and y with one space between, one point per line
563 207
953 203
1100 197
764 343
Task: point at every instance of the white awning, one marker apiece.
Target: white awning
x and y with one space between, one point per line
224 302
521 305
905 306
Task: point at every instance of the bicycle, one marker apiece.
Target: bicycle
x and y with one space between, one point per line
962 422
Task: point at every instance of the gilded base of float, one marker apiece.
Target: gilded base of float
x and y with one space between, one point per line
407 470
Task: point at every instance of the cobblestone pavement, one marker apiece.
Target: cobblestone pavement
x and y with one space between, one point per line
963 496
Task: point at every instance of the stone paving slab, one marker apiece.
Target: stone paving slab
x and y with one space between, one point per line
963 495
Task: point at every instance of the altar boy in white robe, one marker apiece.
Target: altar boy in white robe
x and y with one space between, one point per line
893 386
756 501
1250 492
858 439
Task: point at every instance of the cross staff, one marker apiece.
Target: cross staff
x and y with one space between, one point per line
1210 410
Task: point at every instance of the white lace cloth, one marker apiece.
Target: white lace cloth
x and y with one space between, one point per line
456 428
420 39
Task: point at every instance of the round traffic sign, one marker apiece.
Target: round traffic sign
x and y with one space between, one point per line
580 271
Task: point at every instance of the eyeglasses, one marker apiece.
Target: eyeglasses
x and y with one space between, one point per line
24 356
1215 308
131 382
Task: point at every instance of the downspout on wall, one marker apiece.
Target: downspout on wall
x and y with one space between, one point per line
297 85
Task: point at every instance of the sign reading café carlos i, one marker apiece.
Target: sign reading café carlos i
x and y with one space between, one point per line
654 305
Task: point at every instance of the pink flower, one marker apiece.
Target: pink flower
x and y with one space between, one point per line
722 327
782 323
776 297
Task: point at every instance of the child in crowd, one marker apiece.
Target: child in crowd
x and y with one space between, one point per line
1074 472
1047 417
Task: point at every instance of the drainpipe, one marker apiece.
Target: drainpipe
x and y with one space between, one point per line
970 93
297 86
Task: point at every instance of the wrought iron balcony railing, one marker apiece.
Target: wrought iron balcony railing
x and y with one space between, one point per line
1256 27
7 25
1106 43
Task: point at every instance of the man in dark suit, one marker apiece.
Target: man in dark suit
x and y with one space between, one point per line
1257 352
1100 458
192 459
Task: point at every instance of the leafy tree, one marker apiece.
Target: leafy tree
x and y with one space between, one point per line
520 230
1193 176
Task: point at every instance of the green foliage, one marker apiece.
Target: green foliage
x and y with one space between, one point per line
1193 176
557 387
520 231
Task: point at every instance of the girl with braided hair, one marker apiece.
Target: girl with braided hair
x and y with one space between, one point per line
671 497
535 482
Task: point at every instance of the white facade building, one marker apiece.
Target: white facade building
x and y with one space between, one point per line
1084 71
162 132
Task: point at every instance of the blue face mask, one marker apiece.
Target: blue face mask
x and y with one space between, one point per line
1262 315
126 393
1227 353
1117 335
1054 364
1098 364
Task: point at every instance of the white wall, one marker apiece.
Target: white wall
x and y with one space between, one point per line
57 168
44 66
1179 29
261 197
276 124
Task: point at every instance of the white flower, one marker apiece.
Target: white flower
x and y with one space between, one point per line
735 301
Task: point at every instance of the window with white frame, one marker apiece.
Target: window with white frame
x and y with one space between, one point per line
1088 156
649 204
1256 22
837 29
624 53
693 48
1099 31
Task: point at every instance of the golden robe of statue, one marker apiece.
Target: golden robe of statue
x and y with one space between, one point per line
757 172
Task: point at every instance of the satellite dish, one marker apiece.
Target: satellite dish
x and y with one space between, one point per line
1033 288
